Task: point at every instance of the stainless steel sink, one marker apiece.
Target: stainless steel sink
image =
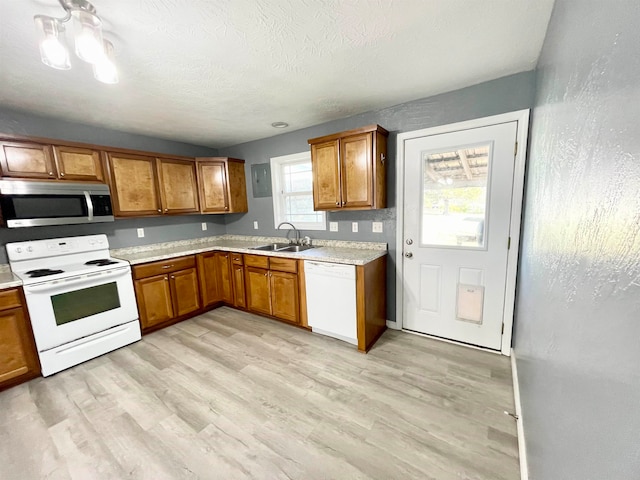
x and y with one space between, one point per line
272 247
282 247
296 248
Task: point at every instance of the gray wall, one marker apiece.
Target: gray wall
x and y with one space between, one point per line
121 233
506 94
577 338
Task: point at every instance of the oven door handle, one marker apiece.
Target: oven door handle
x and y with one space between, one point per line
87 278
87 197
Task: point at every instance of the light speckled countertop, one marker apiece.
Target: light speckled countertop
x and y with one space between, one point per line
351 253
7 278
335 251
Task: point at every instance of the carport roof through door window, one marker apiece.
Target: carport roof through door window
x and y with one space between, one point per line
454 207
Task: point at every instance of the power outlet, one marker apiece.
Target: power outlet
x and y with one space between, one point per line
376 227
204 226
333 226
255 224
140 232
354 226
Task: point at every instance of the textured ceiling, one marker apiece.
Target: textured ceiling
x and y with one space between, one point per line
219 72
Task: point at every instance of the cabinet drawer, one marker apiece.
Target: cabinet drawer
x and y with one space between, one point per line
283 264
164 266
259 261
10 299
236 258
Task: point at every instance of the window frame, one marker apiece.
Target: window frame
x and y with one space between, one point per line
278 196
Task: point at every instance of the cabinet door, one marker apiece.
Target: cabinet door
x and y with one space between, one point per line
237 186
133 185
207 273
184 286
213 186
326 175
78 164
285 299
26 160
17 353
258 290
225 278
238 286
357 170
178 187
154 300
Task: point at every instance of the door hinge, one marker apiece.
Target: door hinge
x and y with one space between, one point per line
509 244
515 150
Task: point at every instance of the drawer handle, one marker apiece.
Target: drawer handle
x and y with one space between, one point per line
167 266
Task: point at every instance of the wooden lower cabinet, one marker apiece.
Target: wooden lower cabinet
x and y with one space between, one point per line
208 276
239 297
185 292
273 291
225 276
258 290
18 354
163 297
285 296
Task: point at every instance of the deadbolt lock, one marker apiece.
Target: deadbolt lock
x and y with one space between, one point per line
409 241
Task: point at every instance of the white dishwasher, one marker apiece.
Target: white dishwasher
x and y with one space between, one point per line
331 299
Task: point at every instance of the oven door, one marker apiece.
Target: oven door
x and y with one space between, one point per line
65 310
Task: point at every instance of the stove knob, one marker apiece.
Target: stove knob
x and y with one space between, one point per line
29 249
18 250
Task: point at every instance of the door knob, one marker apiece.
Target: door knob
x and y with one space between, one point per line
408 255
409 241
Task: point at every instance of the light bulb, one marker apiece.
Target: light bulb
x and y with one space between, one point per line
105 70
52 51
88 36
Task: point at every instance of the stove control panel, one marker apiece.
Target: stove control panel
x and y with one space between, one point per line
36 249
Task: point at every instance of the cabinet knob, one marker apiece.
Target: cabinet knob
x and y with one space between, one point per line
62 174
50 174
166 209
160 210
166 279
338 203
226 208
344 203
265 274
173 276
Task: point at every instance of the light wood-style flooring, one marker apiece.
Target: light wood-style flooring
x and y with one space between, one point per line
230 395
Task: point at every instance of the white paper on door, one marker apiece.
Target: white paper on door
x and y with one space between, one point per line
470 303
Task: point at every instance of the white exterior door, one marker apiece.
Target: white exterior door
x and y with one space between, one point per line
458 190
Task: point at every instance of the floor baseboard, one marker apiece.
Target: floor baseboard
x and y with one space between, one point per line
522 450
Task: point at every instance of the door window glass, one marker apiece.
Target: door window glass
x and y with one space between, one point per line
79 304
454 200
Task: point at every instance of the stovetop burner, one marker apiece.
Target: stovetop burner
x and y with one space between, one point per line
101 262
42 272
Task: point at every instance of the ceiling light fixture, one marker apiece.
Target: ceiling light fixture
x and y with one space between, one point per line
279 124
89 44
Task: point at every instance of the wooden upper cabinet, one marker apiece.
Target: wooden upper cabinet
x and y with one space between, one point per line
178 186
349 169
326 175
222 185
27 160
80 164
356 170
133 185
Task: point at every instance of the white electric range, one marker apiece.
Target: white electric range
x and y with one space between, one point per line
81 301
